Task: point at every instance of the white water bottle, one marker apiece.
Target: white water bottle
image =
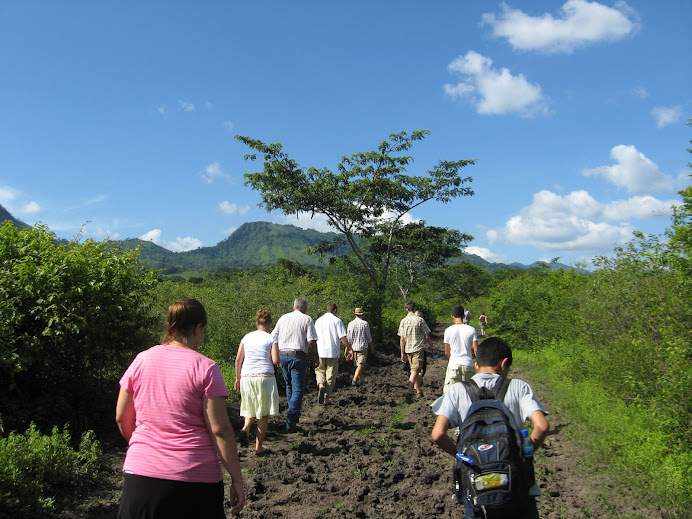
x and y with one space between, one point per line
526 444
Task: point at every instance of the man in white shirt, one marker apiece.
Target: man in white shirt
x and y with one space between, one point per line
461 343
331 334
295 333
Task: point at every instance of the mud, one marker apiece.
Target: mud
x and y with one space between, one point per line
369 455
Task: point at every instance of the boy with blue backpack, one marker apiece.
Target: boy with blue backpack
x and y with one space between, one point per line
493 470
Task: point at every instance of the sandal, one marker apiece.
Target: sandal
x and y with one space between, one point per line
263 452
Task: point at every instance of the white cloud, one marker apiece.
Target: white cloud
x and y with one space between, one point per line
229 231
638 207
30 208
228 125
634 172
162 110
7 194
179 245
212 172
486 254
579 24
208 105
494 91
95 200
185 106
317 222
666 115
640 92
101 233
229 208
577 222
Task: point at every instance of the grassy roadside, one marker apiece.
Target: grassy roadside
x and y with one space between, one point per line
627 439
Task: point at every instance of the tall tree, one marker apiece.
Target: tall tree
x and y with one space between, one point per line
417 248
367 195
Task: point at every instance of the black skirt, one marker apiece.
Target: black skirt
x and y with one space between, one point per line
153 498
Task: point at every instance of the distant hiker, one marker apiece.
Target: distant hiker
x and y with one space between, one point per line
413 334
493 360
483 320
172 411
331 334
361 342
467 317
461 343
255 379
295 333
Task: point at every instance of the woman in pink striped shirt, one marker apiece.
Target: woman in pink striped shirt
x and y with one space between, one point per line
172 411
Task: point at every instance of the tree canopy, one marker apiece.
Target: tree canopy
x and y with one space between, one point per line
368 194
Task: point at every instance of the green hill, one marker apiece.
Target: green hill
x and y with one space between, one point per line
5 215
255 244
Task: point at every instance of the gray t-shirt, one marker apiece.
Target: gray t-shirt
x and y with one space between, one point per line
520 400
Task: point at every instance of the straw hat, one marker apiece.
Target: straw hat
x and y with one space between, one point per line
359 311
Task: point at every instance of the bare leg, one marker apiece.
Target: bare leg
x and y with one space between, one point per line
262 425
358 374
413 381
248 423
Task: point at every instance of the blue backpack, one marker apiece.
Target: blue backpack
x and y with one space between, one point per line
492 477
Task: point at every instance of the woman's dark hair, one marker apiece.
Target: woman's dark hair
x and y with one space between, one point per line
183 317
491 352
263 317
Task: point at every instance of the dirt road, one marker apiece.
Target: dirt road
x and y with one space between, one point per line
369 455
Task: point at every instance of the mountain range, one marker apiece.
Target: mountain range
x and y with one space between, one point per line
254 244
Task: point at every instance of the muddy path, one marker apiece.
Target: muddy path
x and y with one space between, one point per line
369 455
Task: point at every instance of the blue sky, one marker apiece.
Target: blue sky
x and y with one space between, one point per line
118 117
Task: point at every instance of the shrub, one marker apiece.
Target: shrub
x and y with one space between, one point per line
72 312
38 471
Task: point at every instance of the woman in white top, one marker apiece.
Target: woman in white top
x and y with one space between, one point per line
254 368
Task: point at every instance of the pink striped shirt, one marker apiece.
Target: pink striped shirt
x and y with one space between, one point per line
171 440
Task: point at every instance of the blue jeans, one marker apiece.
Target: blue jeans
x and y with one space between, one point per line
294 368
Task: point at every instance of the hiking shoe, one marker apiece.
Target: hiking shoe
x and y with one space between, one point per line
320 394
354 382
243 439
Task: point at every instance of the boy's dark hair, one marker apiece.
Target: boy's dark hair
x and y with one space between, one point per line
491 352
411 306
457 311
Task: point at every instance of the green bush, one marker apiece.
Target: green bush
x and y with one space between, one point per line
40 474
71 312
536 307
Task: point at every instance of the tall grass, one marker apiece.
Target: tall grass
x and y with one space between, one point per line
626 436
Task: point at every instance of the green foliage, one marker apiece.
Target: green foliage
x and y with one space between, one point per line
625 433
232 300
38 472
537 306
415 249
71 314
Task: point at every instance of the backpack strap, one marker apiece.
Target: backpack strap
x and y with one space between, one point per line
472 389
477 393
500 388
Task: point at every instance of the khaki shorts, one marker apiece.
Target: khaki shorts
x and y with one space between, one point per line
414 361
456 374
360 358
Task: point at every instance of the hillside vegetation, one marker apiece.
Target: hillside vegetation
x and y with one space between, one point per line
611 347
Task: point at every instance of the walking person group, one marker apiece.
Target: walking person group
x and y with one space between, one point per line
171 406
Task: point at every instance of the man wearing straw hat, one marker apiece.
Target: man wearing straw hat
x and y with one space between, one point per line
361 342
